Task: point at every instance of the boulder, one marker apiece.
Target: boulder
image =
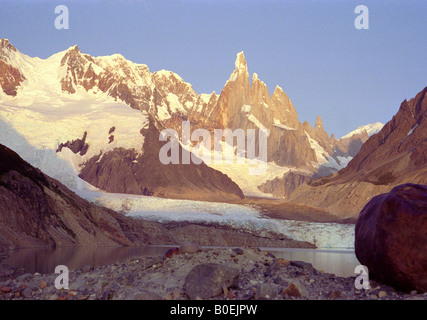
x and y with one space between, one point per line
209 280
391 237
189 247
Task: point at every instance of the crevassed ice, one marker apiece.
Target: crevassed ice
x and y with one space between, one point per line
323 235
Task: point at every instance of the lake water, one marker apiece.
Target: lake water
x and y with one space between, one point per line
44 260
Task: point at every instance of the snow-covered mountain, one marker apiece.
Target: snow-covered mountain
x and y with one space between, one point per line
98 119
71 135
369 128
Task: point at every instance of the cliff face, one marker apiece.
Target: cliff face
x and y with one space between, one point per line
124 171
36 210
10 77
250 106
394 156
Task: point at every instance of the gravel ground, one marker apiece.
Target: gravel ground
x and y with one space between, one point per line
221 274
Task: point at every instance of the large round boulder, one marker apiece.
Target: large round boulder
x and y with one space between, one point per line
391 237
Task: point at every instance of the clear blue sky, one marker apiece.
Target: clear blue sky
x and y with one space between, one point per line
310 48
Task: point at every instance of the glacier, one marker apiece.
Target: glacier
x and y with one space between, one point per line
63 166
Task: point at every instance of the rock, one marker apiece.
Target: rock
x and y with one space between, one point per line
391 236
295 289
26 293
303 265
86 268
188 247
171 252
265 291
334 294
5 289
208 280
238 251
42 284
382 294
283 261
292 291
24 277
147 295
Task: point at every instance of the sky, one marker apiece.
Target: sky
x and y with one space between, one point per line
312 49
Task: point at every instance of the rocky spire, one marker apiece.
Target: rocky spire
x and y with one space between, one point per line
241 62
5 44
319 124
240 73
322 136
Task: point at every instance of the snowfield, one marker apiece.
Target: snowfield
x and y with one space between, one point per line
371 129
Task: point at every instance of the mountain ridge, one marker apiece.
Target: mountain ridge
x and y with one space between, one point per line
397 154
167 100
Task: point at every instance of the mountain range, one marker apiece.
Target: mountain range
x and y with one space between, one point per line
96 120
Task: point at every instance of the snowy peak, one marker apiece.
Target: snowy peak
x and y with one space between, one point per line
5 46
241 63
73 57
369 128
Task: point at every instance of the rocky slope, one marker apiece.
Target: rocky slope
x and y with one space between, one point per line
124 171
396 155
36 210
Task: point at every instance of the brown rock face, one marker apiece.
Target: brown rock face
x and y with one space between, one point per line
250 106
399 147
322 136
10 77
125 171
283 187
351 145
209 280
77 146
395 155
36 210
391 237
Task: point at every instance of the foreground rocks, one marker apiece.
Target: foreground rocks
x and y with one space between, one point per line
391 237
220 274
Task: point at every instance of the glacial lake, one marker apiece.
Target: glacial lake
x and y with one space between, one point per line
341 262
